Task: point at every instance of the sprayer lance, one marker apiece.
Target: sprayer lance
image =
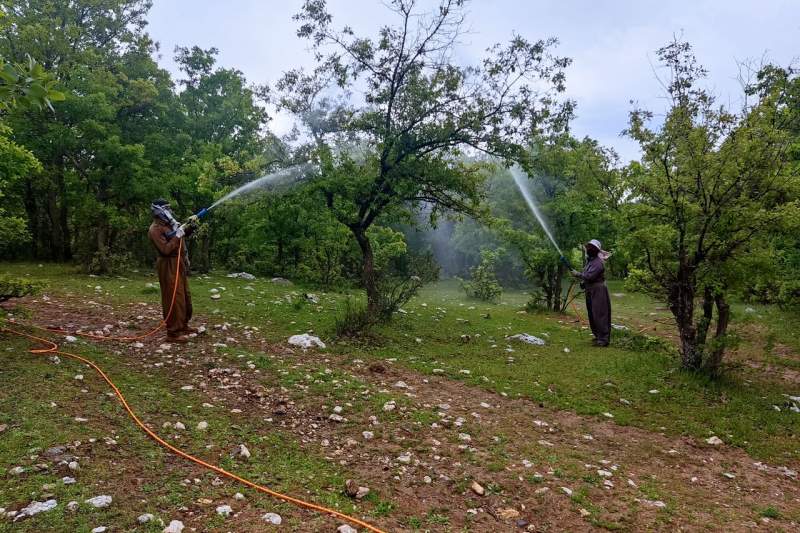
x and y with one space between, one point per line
566 263
200 214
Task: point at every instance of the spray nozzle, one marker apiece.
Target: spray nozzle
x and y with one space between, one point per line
565 261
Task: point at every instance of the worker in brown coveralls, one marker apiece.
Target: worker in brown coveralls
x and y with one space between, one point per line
598 302
166 266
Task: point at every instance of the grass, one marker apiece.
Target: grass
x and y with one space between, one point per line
428 336
32 382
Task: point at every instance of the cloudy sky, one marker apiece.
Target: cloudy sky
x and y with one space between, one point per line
611 42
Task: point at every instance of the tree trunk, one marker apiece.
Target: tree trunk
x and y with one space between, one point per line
368 278
708 315
714 362
681 303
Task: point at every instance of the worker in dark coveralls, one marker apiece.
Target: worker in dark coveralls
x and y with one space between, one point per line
177 321
598 302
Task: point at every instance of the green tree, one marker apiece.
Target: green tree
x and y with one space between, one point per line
712 183
419 114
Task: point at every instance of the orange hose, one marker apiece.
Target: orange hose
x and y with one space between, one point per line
161 323
261 488
53 349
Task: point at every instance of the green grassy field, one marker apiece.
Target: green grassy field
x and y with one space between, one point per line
567 373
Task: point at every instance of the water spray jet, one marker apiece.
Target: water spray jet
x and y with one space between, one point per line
520 178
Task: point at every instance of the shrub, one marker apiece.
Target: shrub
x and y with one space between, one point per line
17 287
483 284
354 320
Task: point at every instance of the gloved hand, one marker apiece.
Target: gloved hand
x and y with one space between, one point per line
194 220
574 273
179 233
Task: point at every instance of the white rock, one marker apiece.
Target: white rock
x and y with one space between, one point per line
653 503
401 385
35 508
145 518
404 458
176 526
68 480
527 339
604 473
202 426
714 440
100 501
344 528
389 406
74 466
242 275
336 418
427 480
72 506
567 491
70 338
243 452
100 529
272 518
368 435
79 377
653 391
179 426
306 341
224 510
17 470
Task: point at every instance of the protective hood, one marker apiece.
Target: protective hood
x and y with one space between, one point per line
602 254
160 209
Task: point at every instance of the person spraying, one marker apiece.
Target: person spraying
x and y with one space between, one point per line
166 234
598 301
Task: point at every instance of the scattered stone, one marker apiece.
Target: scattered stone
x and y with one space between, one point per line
368 435
608 415
3 427
527 339
401 385
242 275
280 281
272 518
404 458
242 451
179 426
389 406
216 296
224 510
176 526
306 341
658 504
477 488
100 529
604 473
74 466
729 475
507 514
567 491
714 440
72 506
427 480
653 391
238 497
16 471
202 426
100 502
344 528
70 338
68 480
336 418
584 512
35 508
145 518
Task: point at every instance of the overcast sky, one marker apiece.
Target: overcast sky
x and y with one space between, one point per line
611 42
